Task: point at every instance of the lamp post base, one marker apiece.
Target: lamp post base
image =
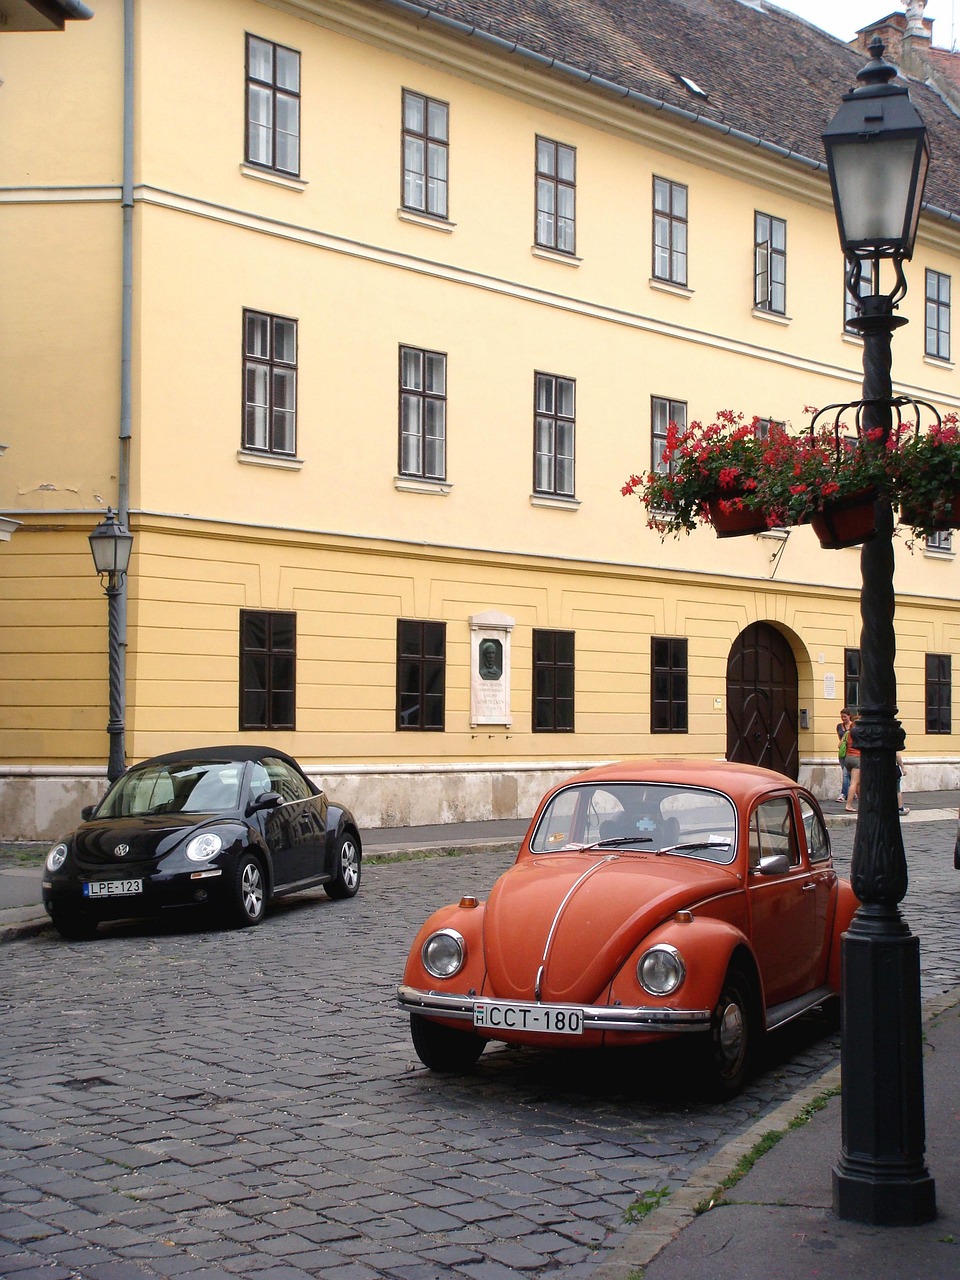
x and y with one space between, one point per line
881 1177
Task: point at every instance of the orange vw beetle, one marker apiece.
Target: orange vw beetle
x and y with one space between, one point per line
648 898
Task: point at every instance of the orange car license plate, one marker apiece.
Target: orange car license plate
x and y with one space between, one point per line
553 1019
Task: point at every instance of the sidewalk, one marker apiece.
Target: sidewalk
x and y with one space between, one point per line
778 1223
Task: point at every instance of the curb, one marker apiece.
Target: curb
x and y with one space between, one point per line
665 1222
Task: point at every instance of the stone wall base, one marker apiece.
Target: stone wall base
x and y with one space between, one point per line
44 803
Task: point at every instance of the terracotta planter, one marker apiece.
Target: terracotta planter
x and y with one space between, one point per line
735 521
846 522
948 519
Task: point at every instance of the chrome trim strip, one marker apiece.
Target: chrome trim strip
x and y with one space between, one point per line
611 857
595 1017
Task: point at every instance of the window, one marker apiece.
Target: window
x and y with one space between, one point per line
772 833
770 281
554 422
425 154
421 674
553 682
276 775
851 309
423 413
939 683
818 842
662 413
268 670
940 540
269 383
556 196
851 678
761 427
668 684
273 106
938 315
669 231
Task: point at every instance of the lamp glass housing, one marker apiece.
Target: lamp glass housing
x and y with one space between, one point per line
110 545
878 187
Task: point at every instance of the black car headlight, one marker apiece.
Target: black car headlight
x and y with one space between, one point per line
56 857
443 953
204 847
661 970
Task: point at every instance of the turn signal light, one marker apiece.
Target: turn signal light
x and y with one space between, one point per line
469 901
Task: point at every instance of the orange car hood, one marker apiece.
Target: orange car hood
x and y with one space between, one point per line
599 907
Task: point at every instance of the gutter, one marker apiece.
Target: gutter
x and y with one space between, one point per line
74 9
572 72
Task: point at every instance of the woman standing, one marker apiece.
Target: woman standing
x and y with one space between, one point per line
842 727
852 761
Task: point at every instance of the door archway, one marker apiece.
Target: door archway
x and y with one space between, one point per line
762 700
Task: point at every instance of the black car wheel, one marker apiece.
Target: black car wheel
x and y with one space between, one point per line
346 874
726 1051
444 1048
76 927
249 892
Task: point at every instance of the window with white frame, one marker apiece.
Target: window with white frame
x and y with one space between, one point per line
770 257
851 308
662 413
669 231
556 196
937 316
273 106
554 435
269 383
940 540
426 139
423 413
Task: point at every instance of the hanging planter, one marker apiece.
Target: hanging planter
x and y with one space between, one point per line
927 474
731 518
945 515
846 521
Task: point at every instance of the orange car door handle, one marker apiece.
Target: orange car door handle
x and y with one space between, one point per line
809 888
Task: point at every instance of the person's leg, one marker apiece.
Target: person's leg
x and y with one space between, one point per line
854 791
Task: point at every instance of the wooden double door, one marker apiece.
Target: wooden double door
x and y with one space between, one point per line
762 701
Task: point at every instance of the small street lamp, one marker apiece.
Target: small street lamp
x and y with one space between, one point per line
877 157
110 544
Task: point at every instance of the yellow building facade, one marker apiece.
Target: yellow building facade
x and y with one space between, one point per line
327 516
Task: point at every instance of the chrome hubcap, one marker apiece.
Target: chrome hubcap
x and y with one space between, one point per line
730 1038
251 890
349 865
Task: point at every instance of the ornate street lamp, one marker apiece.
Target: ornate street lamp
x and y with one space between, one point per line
877 156
110 545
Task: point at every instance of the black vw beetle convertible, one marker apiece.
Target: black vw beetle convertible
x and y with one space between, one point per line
226 828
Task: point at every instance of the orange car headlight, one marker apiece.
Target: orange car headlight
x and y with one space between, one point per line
661 970
443 953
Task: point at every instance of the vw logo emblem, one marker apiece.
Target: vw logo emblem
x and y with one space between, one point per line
122 850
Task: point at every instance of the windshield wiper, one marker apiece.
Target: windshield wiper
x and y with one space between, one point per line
612 841
696 844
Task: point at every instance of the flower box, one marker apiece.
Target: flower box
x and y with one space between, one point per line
847 521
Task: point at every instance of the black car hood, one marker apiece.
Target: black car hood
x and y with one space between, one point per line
118 842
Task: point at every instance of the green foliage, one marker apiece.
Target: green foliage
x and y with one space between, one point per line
645 1203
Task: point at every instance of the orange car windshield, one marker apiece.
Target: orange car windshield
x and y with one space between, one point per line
690 822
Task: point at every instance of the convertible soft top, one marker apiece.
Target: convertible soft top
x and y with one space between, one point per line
229 752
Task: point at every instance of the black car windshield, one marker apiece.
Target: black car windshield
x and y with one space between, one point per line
685 821
182 786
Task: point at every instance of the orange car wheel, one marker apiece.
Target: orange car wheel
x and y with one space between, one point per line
444 1048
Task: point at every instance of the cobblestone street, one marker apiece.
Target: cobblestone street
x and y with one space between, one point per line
178 1101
